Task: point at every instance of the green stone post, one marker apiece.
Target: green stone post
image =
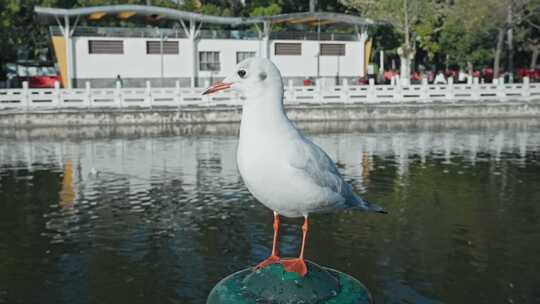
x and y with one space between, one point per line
274 285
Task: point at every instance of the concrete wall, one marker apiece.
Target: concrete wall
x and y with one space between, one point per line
296 113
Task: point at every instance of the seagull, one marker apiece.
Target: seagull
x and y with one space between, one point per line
282 168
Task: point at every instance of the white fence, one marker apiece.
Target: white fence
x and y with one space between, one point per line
26 99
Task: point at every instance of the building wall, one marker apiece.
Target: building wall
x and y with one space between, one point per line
134 63
135 67
352 64
227 56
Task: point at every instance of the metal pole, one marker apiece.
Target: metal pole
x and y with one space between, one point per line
194 53
267 27
68 51
161 53
381 59
337 72
319 51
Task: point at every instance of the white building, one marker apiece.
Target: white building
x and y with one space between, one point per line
192 56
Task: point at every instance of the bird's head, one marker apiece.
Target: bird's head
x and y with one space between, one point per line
252 76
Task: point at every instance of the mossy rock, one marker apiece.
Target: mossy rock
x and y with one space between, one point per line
274 285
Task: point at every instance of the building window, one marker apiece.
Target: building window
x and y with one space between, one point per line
169 47
241 56
332 49
105 47
209 61
294 49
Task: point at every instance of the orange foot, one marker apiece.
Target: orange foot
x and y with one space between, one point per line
295 265
273 259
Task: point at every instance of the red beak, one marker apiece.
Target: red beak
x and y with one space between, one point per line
219 86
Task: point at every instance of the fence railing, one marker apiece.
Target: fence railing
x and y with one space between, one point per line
26 99
91 31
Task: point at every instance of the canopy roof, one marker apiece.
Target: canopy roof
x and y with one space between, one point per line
127 11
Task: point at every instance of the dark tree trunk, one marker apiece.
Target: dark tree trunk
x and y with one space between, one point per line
510 38
498 52
534 57
470 68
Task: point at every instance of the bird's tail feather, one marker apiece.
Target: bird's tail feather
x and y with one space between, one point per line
367 206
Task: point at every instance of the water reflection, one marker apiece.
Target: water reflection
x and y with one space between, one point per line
160 214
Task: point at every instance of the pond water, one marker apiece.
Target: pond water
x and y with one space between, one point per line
160 214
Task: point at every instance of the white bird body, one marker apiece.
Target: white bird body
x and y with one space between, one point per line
283 169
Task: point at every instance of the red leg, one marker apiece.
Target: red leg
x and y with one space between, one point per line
274 257
275 248
298 265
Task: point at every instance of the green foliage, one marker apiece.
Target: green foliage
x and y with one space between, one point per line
206 9
469 33
470 30
191 5
464 46
272 9
400 14
210 9
19 33
286 6
427 34
83 3
386 38
408 18
21 37
464 30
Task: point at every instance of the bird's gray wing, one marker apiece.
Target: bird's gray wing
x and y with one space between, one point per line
317 166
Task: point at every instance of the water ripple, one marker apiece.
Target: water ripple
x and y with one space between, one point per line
99 215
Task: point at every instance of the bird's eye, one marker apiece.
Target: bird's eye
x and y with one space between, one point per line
242 73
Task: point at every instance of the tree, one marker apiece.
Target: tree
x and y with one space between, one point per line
504 16
207 8
214 10
20 36
522 17
530 39
406 16
268 8
82 3
467 34
534 47
191 5
491 20
272 9
19 31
